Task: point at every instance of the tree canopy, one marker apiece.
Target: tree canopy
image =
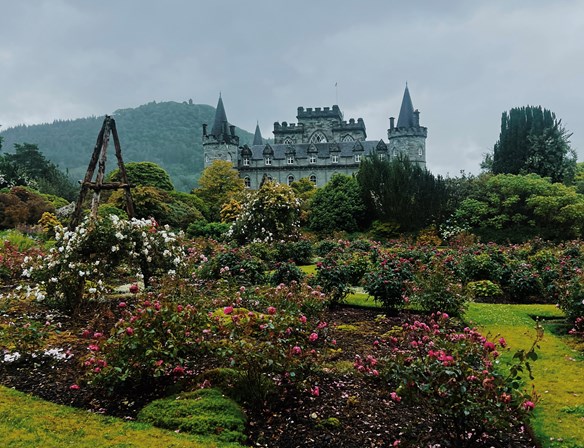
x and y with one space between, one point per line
337 206
218 183
401 192
145 174
508 207
28 166
532 140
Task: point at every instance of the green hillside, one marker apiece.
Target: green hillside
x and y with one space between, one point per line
167 133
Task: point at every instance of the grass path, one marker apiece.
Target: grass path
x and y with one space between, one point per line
558 372
26 421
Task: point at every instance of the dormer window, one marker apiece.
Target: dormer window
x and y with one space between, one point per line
357 158
290 160
267 160
334 158
312 159
246 161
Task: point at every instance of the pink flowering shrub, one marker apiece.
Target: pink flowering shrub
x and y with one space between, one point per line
386 281
13 259
452 372
273 341
150 341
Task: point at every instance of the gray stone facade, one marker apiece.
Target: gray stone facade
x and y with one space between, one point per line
321 144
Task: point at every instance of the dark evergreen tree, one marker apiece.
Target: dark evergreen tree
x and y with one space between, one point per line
28 166
532 140
337 206
402 192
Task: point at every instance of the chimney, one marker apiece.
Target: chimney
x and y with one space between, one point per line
417 118
204 129
391 123
232 130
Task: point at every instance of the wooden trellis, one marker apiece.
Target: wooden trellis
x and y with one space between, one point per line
99 158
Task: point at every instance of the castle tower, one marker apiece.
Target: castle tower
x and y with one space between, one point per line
257 138
408 137
221 143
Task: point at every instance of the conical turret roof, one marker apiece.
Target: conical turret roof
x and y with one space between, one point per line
221 125
406 113
257 138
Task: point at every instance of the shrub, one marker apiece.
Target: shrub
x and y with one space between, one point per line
201 228
325 246
452 372
275 345
484 291
435 288
286 273
204 412
151 340
236 266
334 275
386 281
82 261
300 252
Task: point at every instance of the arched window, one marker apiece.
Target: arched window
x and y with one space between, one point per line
288 141
347 138
318 137
312 178
290 179
247 182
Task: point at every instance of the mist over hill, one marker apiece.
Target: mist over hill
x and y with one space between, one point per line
166 133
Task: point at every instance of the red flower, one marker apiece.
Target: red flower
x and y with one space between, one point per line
271 310
129 331
122 305
228 310
134 288
74 387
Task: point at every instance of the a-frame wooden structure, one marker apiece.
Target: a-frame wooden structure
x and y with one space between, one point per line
99 157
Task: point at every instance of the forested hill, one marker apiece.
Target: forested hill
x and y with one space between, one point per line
167 133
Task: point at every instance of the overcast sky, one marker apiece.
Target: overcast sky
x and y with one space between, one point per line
465 62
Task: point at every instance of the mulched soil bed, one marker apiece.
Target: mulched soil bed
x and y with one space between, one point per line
350 411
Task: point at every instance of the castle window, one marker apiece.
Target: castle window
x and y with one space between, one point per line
246 161
247 182
334 158
207 160
347 138
288 141
318 137
290 160
267 160
420 151
381 157
312 179
290 179
357 158
312 159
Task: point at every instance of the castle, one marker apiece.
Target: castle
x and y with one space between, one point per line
321 144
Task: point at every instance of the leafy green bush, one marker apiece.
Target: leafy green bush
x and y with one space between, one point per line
286 273
484 291
386 281
435 288
204 412
201 228
334 275
299 252
236 266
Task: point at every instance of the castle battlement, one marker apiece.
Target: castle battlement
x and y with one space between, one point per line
318 112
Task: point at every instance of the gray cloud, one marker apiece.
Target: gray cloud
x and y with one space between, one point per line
465 62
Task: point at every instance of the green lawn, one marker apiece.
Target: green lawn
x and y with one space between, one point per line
559 371
30 422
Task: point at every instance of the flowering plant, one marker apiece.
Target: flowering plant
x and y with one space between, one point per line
83 259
